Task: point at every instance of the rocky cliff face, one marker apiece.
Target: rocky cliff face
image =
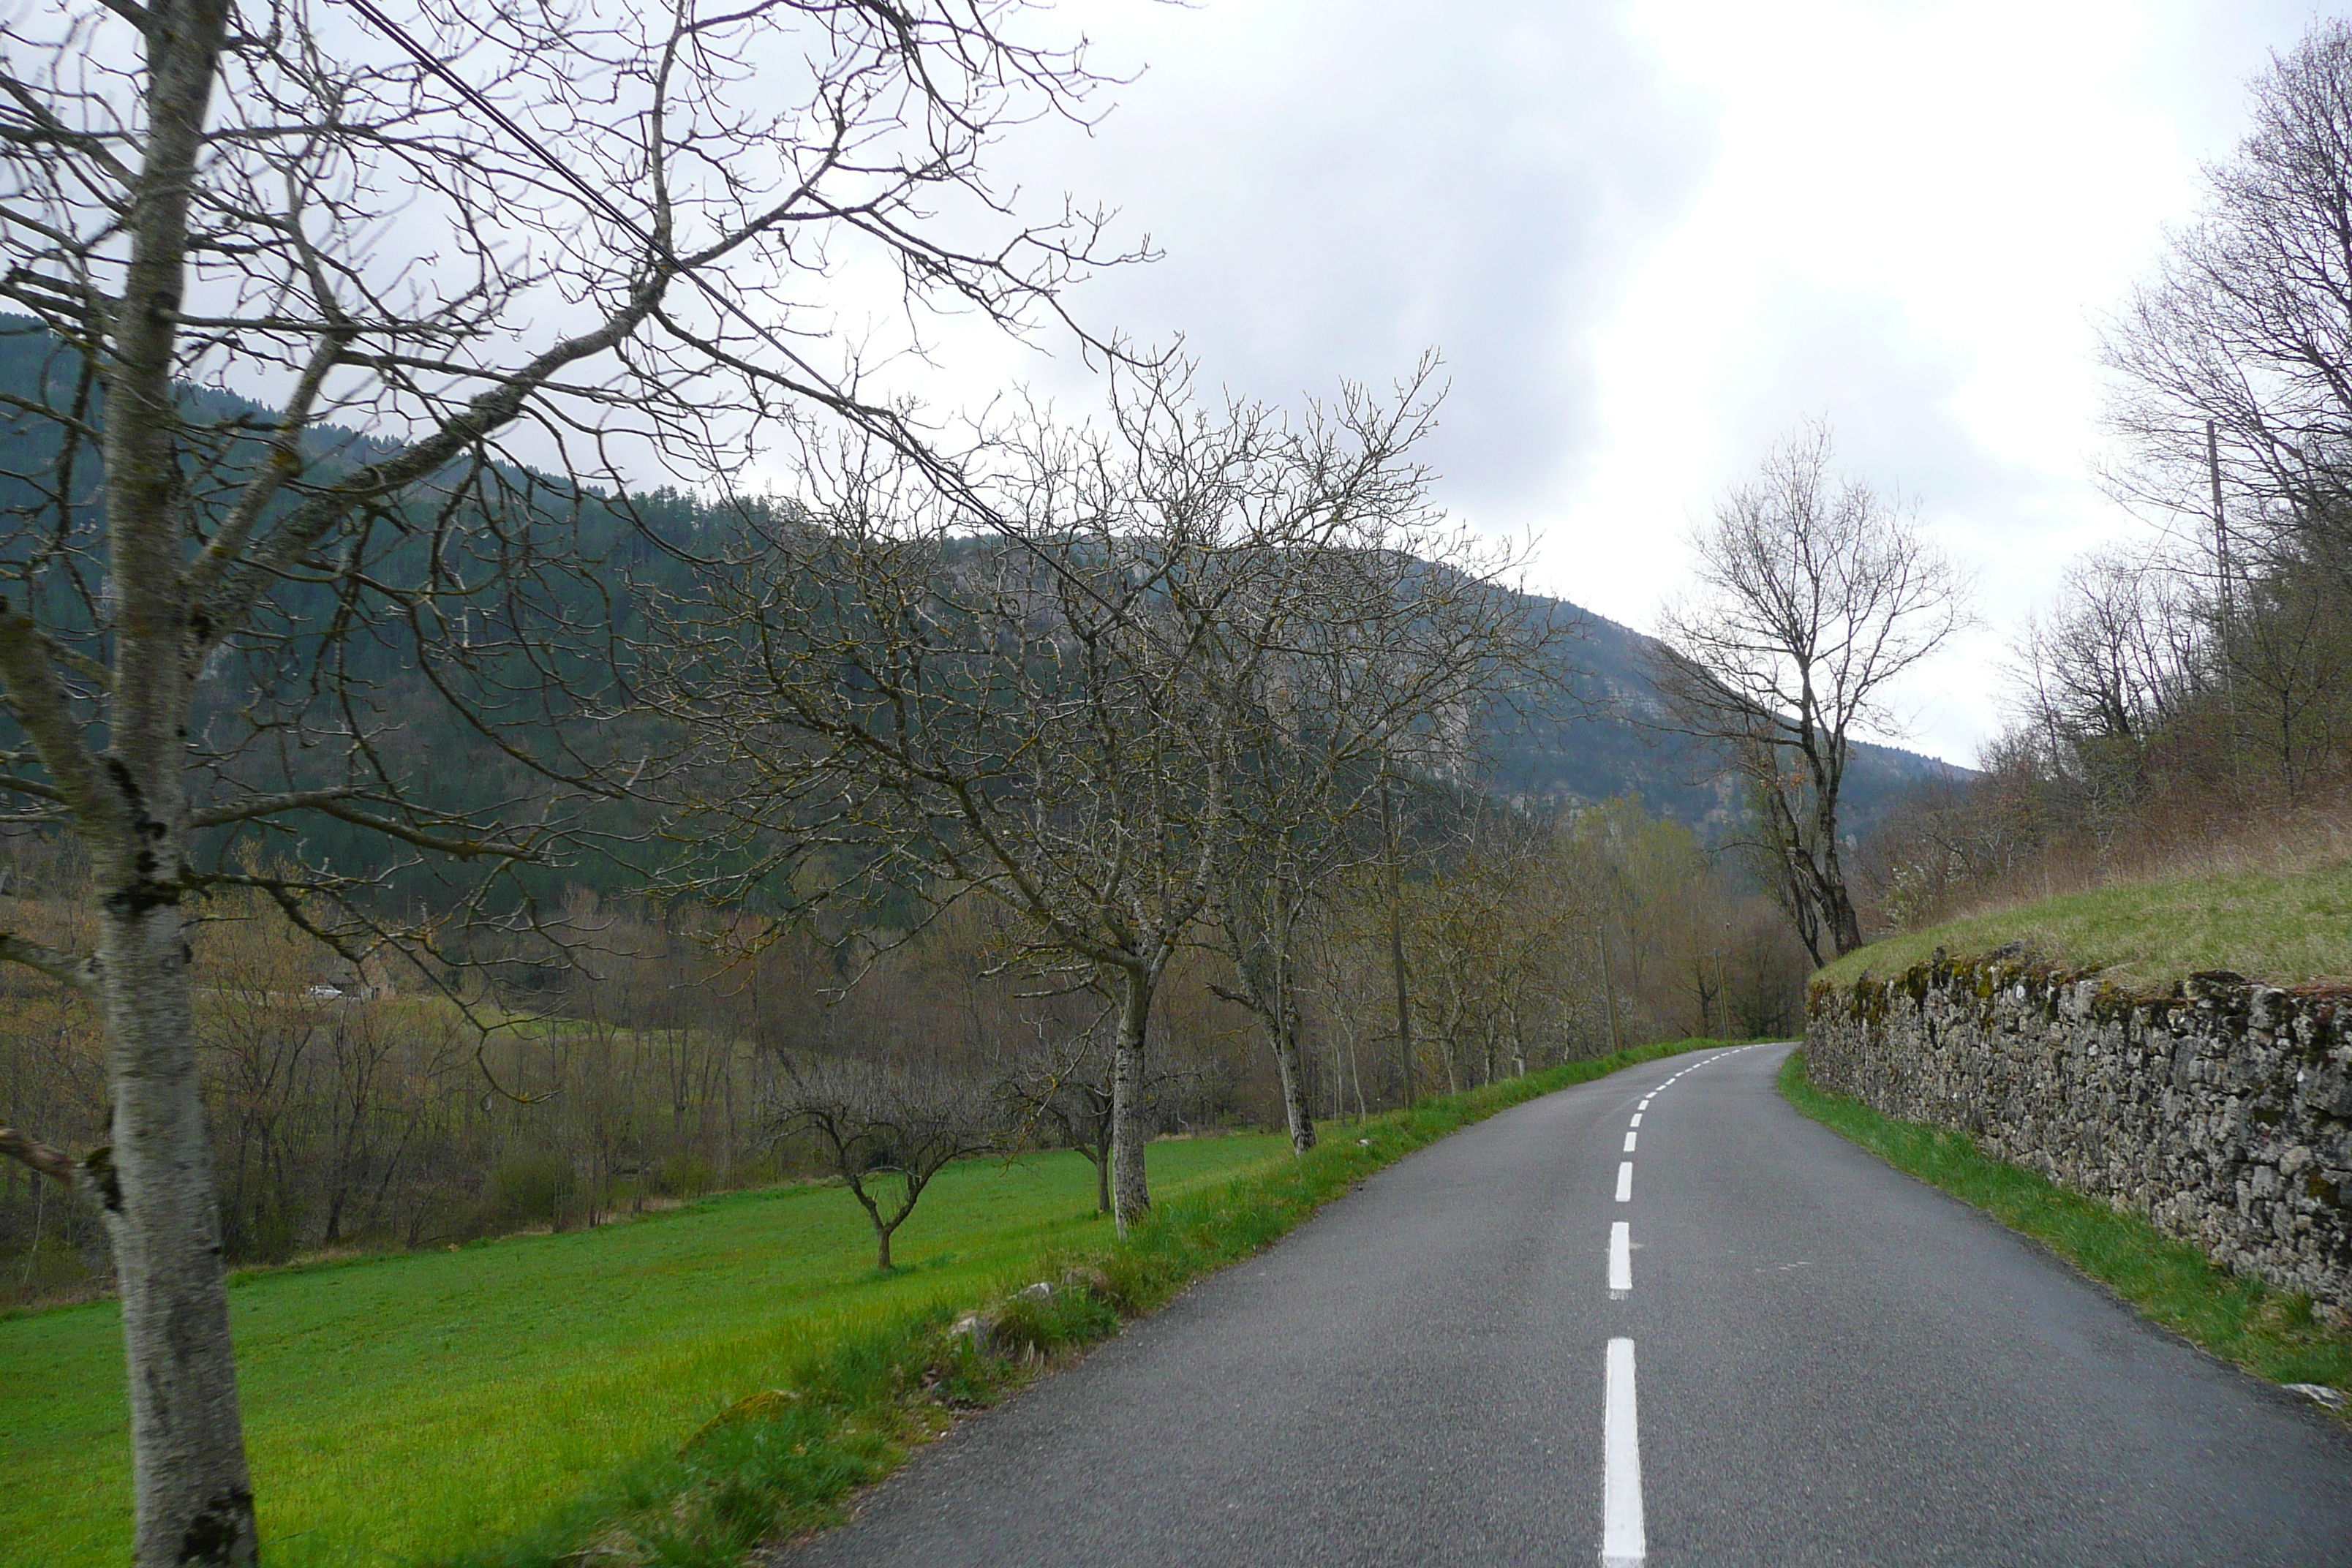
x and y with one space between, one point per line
2223 1113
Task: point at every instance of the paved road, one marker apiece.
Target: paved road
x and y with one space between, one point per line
1813 1359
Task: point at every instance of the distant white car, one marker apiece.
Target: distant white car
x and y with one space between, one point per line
325 992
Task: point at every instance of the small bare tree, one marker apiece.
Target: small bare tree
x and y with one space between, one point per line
883 1122
1819 593
1059 1092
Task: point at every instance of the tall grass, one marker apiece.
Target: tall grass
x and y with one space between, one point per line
2286 928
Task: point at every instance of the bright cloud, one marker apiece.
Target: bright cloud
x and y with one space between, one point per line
1651 236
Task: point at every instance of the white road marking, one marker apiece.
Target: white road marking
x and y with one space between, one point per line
1644 1105
1637 1119
1625 1182
1624 1543
1621 1261
1629 1142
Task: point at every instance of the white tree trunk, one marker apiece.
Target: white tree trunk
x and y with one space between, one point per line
194 1496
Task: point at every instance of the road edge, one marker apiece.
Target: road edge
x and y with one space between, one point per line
2267 1332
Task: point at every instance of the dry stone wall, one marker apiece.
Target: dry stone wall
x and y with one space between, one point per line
2223 1113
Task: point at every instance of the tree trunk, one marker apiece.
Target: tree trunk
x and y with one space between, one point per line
1269 992
1396 953
1838 915
882 1247
1282 1034
1844 922
1131 1191
194 1496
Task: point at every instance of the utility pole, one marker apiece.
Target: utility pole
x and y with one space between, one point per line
2223 571
2221 520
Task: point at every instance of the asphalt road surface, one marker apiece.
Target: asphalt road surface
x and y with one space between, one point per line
1805 1358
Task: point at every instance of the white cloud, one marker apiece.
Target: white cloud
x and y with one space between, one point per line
1651 235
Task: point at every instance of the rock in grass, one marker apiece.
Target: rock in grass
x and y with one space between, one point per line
1092 1281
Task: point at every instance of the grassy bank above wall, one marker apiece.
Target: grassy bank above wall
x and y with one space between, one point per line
519 1402
2288 930
2268 1332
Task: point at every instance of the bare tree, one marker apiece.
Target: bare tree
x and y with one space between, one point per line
1819 593
880 1119
894 703
1374 646
951 720
2285 673
590 231
1059 1092
2123 652
2233 398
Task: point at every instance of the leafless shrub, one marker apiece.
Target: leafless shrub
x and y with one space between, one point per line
884 1123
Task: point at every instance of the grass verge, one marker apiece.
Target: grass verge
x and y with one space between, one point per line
2269 1333
2282 930
786 1461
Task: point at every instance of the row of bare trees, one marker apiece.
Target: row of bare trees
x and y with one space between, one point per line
346 1114
478 258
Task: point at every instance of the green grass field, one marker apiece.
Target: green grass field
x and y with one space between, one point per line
432 1405
2286 930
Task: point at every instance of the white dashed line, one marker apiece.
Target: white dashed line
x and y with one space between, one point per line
1629 1142
1625 1182
1637 1119
1624 1543
1621 1261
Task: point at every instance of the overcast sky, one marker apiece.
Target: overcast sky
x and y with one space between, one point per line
1649 236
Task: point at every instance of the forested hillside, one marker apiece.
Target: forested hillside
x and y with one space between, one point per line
1623 742
1596 730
